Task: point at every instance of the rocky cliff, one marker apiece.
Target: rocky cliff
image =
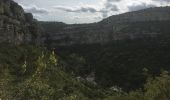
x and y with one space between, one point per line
16 26
19 27
139 24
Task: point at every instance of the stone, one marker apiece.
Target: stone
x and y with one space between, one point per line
16 26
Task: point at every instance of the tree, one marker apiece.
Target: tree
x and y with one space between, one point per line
52 59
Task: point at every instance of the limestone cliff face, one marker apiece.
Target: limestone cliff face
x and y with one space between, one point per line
139 24
16 26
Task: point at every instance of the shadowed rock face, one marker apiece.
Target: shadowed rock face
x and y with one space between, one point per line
16 26
19 27
138 24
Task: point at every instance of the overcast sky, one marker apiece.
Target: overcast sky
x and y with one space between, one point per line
84 11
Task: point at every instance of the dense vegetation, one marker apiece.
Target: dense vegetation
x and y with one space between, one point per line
129 69
34 73
120 63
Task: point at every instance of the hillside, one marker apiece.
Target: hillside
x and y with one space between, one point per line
116 49
29 72
144 23
123 57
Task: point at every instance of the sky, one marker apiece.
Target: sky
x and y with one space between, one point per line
84 11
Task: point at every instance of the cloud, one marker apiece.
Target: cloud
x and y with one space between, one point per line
80 9
107 10
135 7
113 0
168 1
35 10
99 10
110 5
86 17
107 6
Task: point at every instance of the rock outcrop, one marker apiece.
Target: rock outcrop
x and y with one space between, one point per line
16 26
139 24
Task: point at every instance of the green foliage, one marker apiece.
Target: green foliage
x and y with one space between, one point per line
41 64
158 88
24 67
33 89
77 64
76 96
123 63
52 59
31 73
39 77
5 82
